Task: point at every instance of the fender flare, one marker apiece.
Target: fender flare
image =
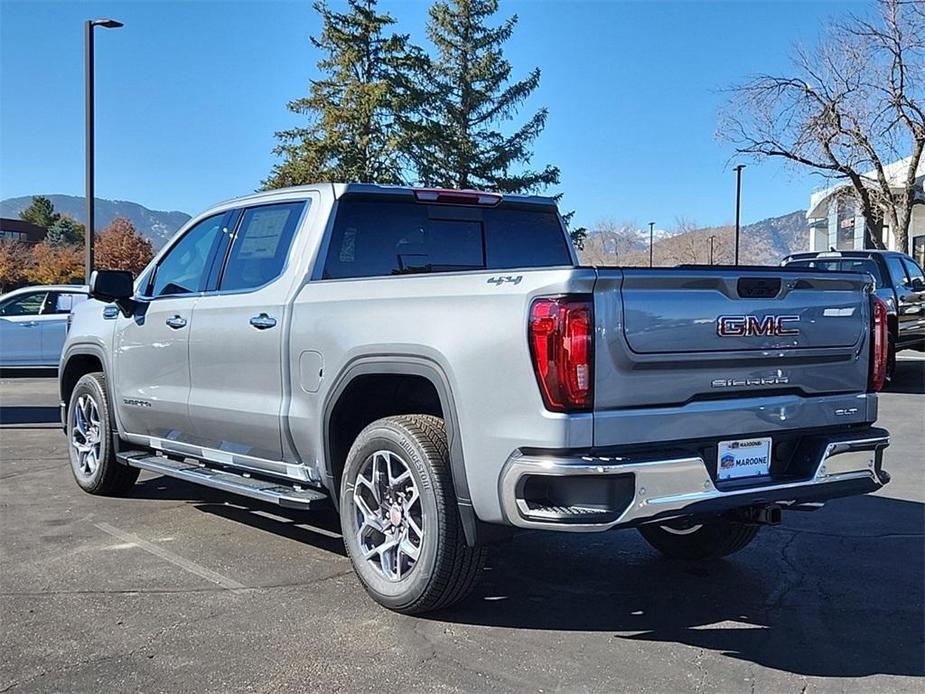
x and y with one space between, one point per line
84 349
407 365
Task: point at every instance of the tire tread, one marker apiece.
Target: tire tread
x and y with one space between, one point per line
457 566
116 479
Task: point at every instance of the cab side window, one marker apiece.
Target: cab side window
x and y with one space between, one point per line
24 305
917 279
62 303
261 245
897 272
185 268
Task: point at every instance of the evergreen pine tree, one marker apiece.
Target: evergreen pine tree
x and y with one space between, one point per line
352 133
66 231
41 212
456 140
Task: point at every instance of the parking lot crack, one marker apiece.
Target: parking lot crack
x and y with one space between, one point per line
698 663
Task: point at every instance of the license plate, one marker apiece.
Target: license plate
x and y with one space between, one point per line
743 458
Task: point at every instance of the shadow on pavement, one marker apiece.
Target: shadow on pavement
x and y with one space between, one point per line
17 415
317 528
803 602
909 377
841 597
51 372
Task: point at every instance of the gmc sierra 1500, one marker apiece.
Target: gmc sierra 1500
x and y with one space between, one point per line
438 366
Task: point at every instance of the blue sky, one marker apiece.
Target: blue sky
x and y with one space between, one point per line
189 95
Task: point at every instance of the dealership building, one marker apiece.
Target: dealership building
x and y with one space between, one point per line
836 222
22 231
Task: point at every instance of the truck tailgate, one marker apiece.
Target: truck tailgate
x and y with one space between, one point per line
711 338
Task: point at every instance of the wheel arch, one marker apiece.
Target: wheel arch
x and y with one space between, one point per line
397 367
77 361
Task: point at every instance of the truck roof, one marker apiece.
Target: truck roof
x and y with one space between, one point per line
866 253
341 189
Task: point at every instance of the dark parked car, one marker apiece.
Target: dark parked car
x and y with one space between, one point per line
900 283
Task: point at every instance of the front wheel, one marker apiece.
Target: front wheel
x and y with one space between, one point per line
400 520
91 435
707 541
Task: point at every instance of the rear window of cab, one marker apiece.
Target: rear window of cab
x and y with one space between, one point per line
864 265
377 237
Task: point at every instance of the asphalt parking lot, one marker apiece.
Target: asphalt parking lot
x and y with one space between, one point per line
180 588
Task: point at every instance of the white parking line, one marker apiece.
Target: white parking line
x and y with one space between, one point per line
176 560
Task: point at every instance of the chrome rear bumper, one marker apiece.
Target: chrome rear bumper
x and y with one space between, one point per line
673 487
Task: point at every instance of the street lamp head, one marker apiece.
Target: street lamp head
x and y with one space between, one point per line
107 23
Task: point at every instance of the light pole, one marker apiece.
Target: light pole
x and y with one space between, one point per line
651 240
738 205
89 25
711 249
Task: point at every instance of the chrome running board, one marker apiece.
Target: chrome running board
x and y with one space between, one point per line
270 491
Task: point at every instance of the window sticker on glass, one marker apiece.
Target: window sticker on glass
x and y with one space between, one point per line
65 303
348 246
263 234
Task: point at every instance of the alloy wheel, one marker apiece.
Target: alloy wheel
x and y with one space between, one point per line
86 434
388 516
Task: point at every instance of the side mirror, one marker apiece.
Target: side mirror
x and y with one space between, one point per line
114 286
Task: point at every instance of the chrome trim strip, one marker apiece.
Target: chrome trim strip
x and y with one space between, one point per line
250 463
672 484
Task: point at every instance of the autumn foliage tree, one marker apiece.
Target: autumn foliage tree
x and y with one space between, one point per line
120 247
56 264
15 262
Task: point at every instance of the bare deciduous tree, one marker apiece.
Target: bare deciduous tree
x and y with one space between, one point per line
687 244
854 105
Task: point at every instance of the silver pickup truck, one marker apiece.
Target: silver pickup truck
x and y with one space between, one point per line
438 366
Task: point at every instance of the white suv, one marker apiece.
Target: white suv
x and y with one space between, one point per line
33 324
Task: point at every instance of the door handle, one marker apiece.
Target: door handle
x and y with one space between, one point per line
28 324
263 321
176 322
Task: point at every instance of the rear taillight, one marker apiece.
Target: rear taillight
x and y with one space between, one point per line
561 343
879 344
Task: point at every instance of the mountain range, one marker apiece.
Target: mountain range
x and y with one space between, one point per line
156 225
762 243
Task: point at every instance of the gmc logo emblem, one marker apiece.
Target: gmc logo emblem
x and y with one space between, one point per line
747 326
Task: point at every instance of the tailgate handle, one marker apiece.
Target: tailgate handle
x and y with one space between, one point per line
758 287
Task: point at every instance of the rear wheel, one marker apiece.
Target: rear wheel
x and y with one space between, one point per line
91 435
399 517
706 541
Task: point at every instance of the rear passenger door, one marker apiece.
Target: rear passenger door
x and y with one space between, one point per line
906 310
237 340
914 299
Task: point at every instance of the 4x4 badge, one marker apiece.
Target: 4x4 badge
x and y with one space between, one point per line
501 279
